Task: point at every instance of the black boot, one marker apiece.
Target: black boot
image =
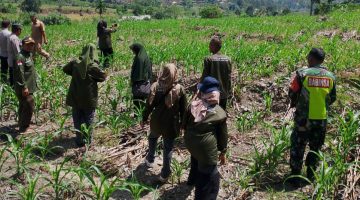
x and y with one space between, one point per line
310 174
293 179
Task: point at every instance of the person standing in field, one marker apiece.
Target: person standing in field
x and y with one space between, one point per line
39 35
25 83
166 104
206 135
219 67
140 77
13 49
4 35
83 91
312 91
105 44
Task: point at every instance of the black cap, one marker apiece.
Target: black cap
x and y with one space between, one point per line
318 54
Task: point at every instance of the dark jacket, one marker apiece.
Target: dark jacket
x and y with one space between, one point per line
105 39
219 67
25 73
165 121
141 70
83 93
204 139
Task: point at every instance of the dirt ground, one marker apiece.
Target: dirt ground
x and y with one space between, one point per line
123 156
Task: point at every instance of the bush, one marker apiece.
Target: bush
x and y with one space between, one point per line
250 11
55 19
286 11
211 12
31 6
7 8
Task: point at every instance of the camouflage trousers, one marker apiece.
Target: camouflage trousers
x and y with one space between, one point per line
310 132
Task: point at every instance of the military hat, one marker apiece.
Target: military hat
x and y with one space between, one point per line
16 26
28 40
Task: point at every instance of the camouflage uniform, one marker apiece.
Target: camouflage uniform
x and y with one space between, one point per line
312 91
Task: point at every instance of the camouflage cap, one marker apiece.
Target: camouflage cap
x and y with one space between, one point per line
15 27
28 40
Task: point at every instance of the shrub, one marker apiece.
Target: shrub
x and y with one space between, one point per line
250 11
31 6
55 19
211 12
7 8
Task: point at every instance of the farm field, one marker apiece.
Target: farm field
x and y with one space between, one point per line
265 51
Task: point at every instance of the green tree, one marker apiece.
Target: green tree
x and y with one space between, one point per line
31 6
100 7
211 12
312 3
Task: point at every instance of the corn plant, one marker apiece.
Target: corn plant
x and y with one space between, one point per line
105 187
267 102
3 157
266 161
135 188
248 120
243 178
57 181
22 155
30 191
43 144
178 169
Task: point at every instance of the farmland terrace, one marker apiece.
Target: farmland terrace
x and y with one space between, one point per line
265 51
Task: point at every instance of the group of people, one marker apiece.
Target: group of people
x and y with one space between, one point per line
203 117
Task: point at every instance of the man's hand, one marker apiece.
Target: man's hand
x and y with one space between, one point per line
222 159
25 92
46 41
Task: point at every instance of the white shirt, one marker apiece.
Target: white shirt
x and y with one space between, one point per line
13 46
4 35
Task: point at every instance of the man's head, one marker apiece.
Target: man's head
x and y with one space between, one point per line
5 24
316 57
16 29
215 44
33 18
28 44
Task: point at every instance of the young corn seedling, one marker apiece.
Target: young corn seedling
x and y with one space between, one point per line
248 120
30 191
57 181
87 132
105 187
268 102
178 169
266 161
135 188
22 155
43 144
3 157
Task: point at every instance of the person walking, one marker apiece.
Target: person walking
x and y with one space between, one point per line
166 103
205 135
4 35
25 84
141 73
312 91
105 43
13 49
83 91
39 35
219 67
